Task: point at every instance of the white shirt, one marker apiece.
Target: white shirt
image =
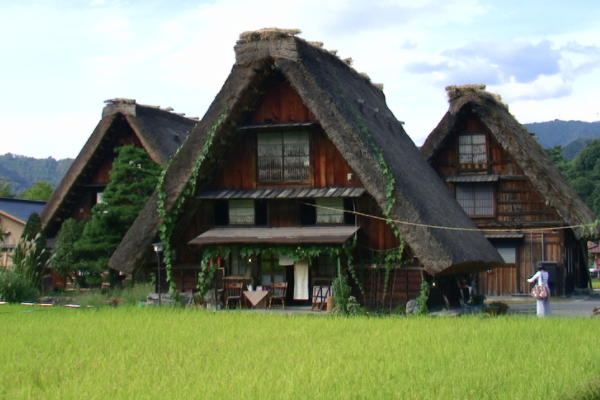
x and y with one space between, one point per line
541 277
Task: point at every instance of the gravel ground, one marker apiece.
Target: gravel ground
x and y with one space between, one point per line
574 306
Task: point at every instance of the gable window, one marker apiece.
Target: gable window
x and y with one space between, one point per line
476 198
283 156
330 210
241 212
472 149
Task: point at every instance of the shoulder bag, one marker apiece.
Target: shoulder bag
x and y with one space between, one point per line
539 292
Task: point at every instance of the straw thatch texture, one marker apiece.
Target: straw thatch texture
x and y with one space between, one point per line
516 140
350 109
160 132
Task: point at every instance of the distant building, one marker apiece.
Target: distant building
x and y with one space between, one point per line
508 185
14 214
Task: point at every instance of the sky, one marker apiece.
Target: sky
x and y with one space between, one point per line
61 59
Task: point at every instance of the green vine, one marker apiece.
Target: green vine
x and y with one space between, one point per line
421 300
169 219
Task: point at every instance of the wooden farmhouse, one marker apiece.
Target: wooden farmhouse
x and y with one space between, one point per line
297 169
159 131
14 214
504 180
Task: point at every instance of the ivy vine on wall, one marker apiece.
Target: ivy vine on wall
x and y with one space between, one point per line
391 257
169 219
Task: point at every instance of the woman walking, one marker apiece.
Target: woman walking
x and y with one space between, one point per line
541 279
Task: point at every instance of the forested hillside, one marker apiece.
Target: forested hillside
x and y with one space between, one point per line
582 173
21 172
571 135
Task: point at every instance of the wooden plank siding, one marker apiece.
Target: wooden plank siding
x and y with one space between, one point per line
281 104
518 206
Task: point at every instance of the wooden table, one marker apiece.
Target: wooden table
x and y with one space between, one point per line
257 297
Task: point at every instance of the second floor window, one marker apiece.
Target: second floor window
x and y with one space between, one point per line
472 149
477 199
283 157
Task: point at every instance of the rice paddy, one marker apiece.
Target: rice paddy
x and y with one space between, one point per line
131 352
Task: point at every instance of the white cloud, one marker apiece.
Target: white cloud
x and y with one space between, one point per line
67 56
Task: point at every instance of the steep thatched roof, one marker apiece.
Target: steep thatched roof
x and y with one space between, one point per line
515 139
160 131
354 115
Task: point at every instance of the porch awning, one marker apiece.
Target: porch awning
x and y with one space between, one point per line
501 235
282 193
472 178
305 235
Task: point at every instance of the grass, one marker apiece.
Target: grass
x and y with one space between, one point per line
144 353
596 283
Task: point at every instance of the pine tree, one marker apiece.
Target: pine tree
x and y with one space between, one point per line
133 179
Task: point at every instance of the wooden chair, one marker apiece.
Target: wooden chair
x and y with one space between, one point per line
278 290
319 297
233 293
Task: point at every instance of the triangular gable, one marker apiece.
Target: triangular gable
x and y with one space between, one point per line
514 138
354 116
159 132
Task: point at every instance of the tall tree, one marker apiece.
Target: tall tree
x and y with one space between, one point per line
132 180
41 190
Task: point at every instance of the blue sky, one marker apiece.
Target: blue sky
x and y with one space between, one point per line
63 58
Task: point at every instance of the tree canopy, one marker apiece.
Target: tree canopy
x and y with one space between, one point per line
41 190
582 173
5 189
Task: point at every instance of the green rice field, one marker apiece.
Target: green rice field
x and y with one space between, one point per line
149 353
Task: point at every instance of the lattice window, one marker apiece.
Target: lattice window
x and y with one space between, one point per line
283 156
238 265
472 149
476 198
241 212
330 211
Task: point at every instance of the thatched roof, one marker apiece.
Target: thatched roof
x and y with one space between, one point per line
160 131
354 115
522 146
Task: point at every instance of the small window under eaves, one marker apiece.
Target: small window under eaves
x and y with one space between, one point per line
241 212
330 210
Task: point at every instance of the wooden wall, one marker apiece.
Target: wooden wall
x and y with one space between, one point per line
281 104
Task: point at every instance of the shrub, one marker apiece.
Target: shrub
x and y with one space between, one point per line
14 288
